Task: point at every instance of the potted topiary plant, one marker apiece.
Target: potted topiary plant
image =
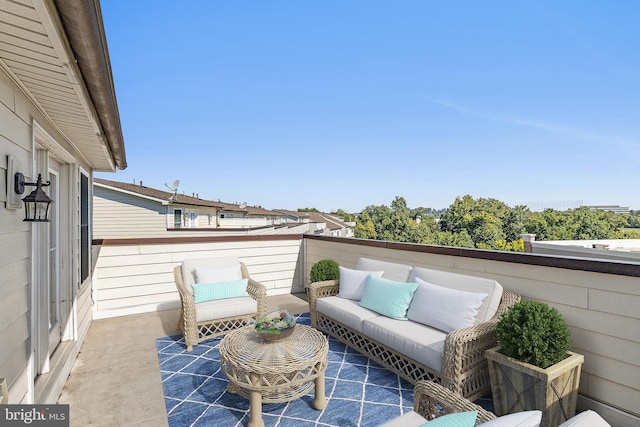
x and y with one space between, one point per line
325 269
532 368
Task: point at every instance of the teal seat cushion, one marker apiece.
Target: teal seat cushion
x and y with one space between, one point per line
459 419
388 297
213 291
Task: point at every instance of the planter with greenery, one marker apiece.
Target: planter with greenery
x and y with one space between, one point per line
325 269
532 368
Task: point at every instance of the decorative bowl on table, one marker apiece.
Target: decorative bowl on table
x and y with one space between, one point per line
275 326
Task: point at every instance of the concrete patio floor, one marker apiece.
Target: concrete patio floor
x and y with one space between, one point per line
116 379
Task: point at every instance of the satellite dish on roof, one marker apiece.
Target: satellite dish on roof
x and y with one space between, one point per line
173 186
243 205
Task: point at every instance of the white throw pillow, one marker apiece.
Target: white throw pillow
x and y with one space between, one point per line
229 273
352 282
444 308
519 419
587 418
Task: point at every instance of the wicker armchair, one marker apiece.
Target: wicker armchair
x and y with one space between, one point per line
194 327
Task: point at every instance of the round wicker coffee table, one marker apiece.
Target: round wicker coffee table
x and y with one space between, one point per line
274 372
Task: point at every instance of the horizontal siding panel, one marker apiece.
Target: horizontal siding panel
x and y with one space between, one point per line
14 276
625 397
137 291
106 261
134 270
14 339
15 130
136 301
611 369
14 306
603 323
132 281
615 302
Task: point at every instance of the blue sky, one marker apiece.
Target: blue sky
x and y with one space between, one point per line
346 104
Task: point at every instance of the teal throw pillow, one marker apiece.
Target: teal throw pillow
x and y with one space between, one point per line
212 291
388 297
460 419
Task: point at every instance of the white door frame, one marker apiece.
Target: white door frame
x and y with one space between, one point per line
47 152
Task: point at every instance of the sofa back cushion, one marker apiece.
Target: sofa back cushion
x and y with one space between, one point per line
444 308
352 282
392 270
465 283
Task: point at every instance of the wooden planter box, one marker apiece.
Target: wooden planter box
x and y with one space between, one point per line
518 386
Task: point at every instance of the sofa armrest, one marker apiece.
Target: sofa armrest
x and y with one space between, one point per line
463 353
326 288
429 397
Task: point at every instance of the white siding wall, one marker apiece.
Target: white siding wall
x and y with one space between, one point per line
16 138
139 278
119 215
601 310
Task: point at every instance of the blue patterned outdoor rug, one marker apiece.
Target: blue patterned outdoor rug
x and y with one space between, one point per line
359 392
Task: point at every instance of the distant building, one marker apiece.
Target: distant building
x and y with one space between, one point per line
123 210
610 208
321 223
129 210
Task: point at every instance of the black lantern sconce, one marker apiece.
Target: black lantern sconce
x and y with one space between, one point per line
37 203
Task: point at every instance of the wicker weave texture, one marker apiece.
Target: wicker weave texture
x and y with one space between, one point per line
280 371
431 400
194 331
464 366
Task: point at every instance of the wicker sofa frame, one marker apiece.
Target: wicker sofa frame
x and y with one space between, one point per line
431 400
196 332
464 366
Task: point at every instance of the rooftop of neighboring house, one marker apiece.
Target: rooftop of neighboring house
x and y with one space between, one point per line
182 199
333 222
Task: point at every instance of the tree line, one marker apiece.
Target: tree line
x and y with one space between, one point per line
488 223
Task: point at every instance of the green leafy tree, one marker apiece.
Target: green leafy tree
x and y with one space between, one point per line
458 240
343 214
365 229
456 217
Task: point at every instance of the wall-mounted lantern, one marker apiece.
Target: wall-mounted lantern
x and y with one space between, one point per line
37 203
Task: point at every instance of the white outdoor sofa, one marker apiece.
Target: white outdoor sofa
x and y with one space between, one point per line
410 348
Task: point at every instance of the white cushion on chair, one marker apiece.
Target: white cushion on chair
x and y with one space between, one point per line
227 273
219 309
189 267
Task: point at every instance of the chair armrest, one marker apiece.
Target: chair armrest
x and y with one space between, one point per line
258 292
188 302
432 400
326 288
464 348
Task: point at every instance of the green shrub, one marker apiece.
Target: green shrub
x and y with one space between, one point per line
534 333
326 269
